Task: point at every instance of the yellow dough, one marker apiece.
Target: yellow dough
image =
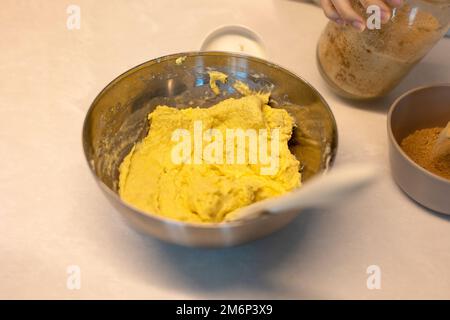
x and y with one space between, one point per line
215 76
196 190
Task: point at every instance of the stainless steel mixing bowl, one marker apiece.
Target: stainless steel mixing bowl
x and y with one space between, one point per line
118 118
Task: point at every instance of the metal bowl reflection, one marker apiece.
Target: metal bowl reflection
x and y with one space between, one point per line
117 119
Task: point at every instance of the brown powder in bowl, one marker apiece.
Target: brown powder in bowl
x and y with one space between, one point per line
419 147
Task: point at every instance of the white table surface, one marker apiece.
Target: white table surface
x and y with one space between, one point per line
52 214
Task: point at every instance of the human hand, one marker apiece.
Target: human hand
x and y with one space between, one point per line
341 11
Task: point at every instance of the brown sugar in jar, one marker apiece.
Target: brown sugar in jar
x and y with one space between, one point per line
419 147
368 64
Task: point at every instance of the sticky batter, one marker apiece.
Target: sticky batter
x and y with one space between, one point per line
200 191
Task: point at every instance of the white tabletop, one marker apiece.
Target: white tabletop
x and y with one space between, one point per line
53 215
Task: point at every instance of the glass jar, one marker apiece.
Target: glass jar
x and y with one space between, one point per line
368 64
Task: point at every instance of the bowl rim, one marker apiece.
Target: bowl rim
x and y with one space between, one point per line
393 140
233 28
174 56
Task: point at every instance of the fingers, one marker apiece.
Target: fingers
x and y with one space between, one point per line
330 11
341 11
348 14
